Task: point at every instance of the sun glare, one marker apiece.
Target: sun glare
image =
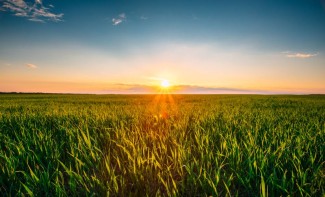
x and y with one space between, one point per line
165 83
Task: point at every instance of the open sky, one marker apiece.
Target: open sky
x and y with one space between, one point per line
129 46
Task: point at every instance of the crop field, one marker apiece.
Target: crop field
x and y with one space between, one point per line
162 145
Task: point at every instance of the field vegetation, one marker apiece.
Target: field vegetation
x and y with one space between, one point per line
162 145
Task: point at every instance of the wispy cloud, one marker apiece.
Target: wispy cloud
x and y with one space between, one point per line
177 89
119 19
190 89
299 55
34 11
31 66
36 20
143 17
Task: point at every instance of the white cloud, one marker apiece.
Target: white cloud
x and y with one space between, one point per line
299 55
31 66
22 14
18 3
143 17
116 21
36 11
122 15
119 19
36 20
13 7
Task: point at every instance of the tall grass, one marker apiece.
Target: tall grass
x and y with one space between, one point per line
187 145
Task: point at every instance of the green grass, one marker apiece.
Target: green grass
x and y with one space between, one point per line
138 145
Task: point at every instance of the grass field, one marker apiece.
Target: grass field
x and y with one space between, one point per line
169 145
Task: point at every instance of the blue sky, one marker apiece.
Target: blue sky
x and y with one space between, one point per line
204 46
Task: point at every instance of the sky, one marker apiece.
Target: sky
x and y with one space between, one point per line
130 46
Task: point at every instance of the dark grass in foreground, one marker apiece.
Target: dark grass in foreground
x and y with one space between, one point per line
183 145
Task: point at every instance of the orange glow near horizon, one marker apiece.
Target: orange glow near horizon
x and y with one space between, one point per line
173 68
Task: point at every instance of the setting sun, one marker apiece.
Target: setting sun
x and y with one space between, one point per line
165 83
162 98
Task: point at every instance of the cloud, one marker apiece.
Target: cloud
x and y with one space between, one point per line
177 89
36 11
119 19
143 17
120 88
36 20
31 66
299 55
190 89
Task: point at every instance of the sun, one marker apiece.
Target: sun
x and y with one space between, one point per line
164 83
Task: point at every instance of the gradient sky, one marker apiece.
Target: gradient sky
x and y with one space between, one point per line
202 46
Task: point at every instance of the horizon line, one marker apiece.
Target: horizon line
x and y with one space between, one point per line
83 93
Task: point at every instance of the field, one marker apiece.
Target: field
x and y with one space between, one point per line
162 145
